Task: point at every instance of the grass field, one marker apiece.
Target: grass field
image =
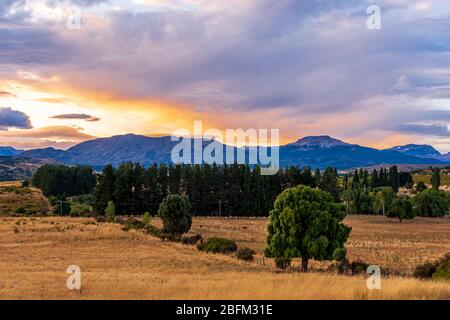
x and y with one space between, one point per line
35 253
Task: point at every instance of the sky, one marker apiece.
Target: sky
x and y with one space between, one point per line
74 70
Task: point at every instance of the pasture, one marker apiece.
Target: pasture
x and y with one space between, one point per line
115 264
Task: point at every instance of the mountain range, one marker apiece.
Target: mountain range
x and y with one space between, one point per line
313 151
9 151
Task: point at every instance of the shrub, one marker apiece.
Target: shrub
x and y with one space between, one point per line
110 211
245 254
358 267
146 218
25 184
191 239
132 223
425 271
175 214
442 272
218 245
80 209
353 268
421 186
21 210
428 269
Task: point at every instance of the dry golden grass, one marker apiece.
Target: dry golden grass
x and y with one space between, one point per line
12 197
35 253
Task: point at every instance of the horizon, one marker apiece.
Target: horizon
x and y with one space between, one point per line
246 145
74 71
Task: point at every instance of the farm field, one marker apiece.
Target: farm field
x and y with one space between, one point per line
132 265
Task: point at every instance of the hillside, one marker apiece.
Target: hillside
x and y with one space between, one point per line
19 168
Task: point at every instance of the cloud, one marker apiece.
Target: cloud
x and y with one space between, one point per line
51 132
436 129
53 136
6 94
314 60
77 116
10 118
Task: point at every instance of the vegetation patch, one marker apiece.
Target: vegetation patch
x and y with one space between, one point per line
245 254
438 270
218 245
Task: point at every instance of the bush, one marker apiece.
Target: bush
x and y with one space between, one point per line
421 186
245 254
353 268
25 184
428 269
146 218
175 214
21 210
80 210
132 223
442 272
358 267
191 239
110 212
218 245
425 271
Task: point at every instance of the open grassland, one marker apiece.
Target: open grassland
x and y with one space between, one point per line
35 253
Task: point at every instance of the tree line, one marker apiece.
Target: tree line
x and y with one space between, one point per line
232 190
224 190
64 181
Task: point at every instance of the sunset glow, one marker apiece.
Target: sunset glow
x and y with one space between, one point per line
151 67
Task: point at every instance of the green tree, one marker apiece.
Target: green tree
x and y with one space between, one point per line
402 209
305 223
383 199
104 191
175 213
436 178
394 178
329 183
431 203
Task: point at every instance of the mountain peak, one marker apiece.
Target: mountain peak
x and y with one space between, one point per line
323 141
418 150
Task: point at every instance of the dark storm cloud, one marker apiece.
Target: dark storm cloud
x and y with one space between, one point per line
10 118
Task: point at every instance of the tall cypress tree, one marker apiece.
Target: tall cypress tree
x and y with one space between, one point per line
436 178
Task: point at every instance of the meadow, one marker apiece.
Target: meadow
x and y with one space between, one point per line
117 264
